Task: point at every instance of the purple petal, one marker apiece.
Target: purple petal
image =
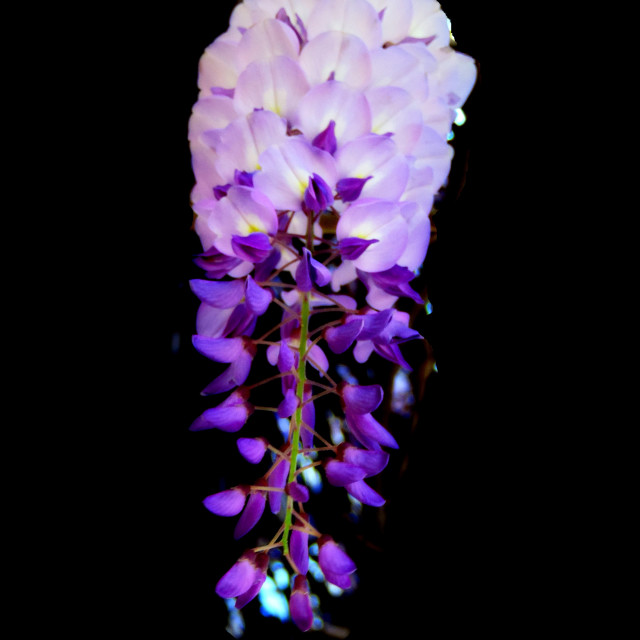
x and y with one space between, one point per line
219 349
318 195
372 462
264 269
326 140
243 178
300 604
353 248
229 418
340 474
216 264
288 405
252 449
369 432
349 189
251 514
299 547
226 503
395 281
233 376
363 492
333 558
340 338
255 247
237 580
342 580
362 398
241 322
278 478
253 591
375 324
297 491
221 295
257 298
286 358
309 272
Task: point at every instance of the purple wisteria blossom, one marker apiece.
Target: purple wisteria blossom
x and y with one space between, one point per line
319 144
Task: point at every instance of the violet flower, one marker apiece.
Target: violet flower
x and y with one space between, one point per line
319 144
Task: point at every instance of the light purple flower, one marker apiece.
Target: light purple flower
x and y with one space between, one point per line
375 220
230 415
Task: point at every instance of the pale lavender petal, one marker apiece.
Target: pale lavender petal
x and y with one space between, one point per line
362 398
221 295
356 17
257 298
375 219
219 349
395 111
334 101
341 54
364 493
266 40
237 580
340 474
378 157
300 604
252 449
286 169
251 514
340 338
226 503
275 85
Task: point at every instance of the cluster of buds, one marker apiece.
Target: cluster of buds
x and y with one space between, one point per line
319 141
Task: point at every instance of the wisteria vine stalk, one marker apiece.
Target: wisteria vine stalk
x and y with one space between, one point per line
320 141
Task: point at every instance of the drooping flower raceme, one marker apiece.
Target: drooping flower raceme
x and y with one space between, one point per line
319 141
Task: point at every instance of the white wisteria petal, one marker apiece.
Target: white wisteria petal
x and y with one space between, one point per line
277 85
265 40
356 17
346 106
379 220
396 18
341 54
240 144
217 67
394 111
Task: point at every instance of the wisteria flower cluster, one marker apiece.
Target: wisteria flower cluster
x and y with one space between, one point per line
319 141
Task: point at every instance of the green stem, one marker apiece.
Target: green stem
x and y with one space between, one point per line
297 422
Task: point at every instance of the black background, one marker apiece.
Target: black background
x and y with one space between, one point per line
465 539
